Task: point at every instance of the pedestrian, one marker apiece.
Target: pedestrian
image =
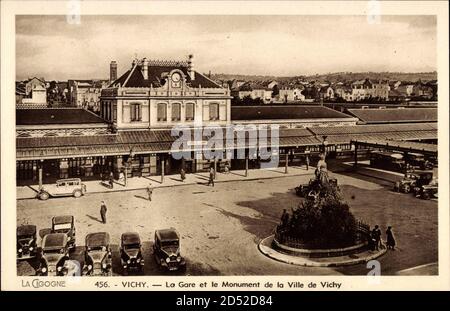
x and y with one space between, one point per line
111 180
149 192
226 168
211 177
376 235
182 174
307 163
103 211
284 218
122 178
390 240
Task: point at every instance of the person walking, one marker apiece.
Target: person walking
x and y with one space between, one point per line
376 235
284 219
182 174
211 177
122 178
390 240
307 163
149 192
111 180
103 211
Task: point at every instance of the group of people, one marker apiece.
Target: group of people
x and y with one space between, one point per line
375 242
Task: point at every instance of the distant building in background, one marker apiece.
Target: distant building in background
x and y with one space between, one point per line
86 93
31 93
292 94
255 90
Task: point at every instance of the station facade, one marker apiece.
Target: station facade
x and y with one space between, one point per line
133 132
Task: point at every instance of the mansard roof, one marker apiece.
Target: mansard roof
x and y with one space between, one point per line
157 72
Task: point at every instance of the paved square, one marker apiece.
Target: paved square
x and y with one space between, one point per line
222 225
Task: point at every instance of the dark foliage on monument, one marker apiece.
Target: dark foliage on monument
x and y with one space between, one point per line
323 219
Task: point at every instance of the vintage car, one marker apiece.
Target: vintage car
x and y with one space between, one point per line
54 255
166 249
417 160
97 256
26 242
65 224
131 252
387 160
312 187
428 191
412 180
63 188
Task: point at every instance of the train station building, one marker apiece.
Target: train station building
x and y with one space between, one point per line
154 104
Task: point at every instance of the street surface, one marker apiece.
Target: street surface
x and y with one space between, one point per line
222 225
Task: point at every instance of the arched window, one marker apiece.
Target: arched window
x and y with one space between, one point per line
162 112
190 112
136 112
213 112
176 112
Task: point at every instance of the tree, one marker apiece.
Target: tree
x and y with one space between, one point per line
324 220
275 91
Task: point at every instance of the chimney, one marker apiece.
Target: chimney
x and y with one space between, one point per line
113 71
190 68
144 68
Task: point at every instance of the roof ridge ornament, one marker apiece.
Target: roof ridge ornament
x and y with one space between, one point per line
168 63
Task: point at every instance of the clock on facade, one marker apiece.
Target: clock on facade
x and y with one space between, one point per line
176 79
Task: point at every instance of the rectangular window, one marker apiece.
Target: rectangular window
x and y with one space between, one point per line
136 114
176 112
213 112
162 112
189 112
114 113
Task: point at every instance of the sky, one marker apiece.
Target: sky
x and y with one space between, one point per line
51 47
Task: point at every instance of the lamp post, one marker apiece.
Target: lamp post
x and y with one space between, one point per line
324 145
128 163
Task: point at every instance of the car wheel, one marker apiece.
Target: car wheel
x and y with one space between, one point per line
77 193
406 189
44 196
425 195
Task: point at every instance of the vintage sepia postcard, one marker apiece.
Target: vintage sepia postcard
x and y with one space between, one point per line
224 145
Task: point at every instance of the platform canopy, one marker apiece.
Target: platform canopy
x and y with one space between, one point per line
400 146
161 141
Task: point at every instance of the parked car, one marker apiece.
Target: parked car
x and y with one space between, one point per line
417 160
387 160
428 191
131 252
63 188
65 224
166 249
97 255
54 254
412 180
26 242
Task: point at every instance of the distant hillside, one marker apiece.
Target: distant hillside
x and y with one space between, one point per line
338 76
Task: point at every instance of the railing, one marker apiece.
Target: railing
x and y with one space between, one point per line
362 230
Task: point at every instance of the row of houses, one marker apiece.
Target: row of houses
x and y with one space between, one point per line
38 93
360 90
